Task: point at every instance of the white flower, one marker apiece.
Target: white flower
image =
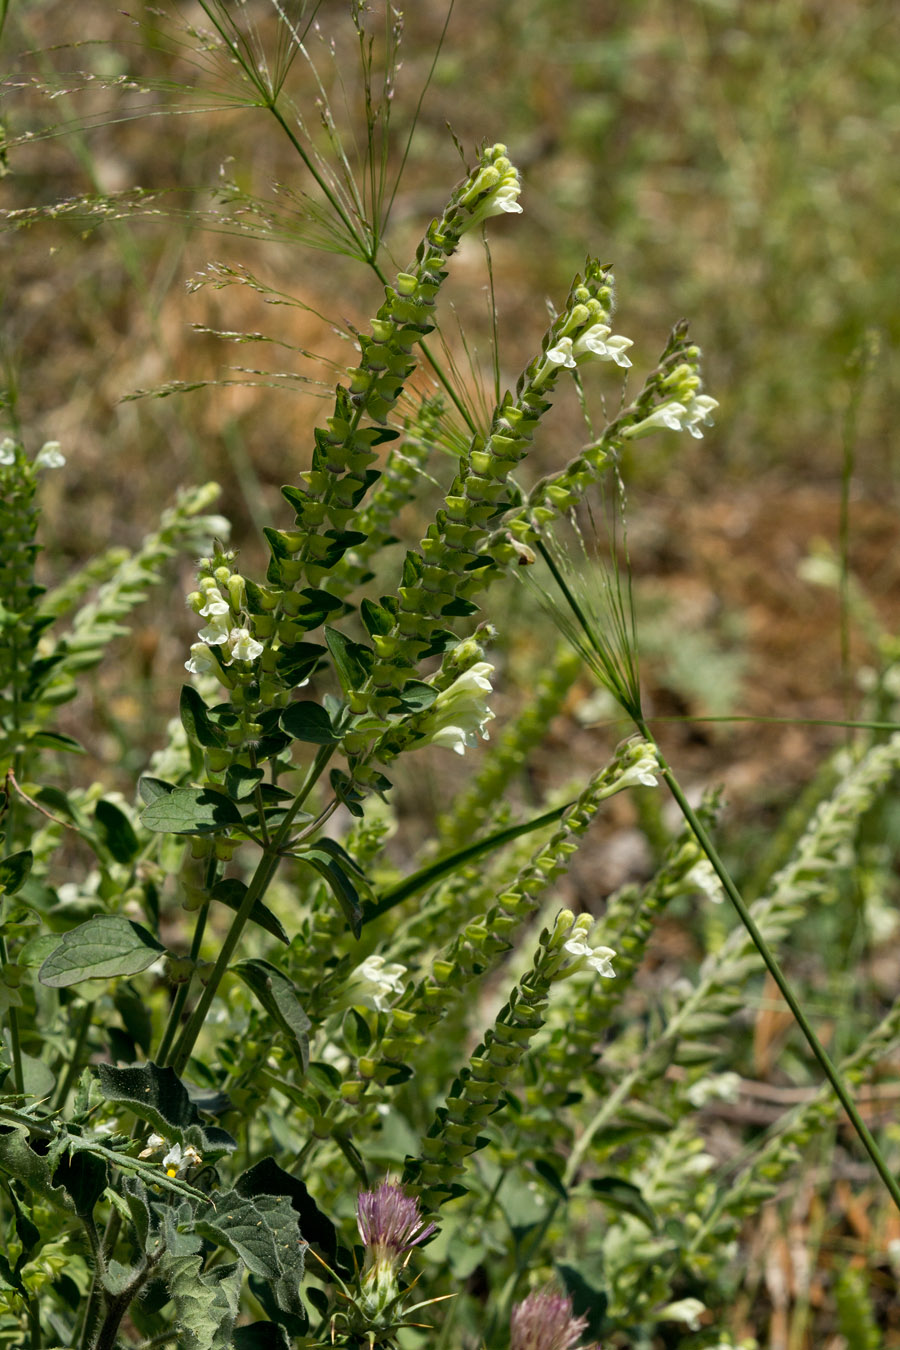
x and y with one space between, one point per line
202 659
459 714
214 606
597 342
562 354
373 984
505 199
178 1160
643 768
243 647
598 959
7 450
677 416
686 1310
217 631
154 1142
49 456
703 877
722 1087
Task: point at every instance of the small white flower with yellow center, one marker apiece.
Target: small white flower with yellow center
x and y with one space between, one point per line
180 1160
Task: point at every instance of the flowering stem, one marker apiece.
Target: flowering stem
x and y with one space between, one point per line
815 1045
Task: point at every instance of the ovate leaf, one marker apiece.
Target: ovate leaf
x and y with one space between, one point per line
309 722
264 1233
191 811
14 870
116 831
106 946
195 720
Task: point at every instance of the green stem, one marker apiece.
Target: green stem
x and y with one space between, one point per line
815 1045
173 1021
259 884
65 1084
12 1022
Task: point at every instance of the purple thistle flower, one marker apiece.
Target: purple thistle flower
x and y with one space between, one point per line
544 1321
389 1223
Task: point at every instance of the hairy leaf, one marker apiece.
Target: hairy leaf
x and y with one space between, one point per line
106 946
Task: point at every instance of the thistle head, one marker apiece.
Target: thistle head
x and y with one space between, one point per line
544 1321
390 1224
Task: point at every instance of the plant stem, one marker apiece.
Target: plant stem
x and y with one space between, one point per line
12 1022
259 884
815 1045
64 1086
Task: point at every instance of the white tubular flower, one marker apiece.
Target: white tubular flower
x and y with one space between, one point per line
202 660
555 357
598 959
49 456
702 877
600 342
7 450
217 631
243 646
459 714
499 182
214 606
639 767
373 984
676 416
686 1310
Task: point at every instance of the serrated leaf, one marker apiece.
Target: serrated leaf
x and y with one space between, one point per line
195 720
20 1161
309 722
264 1233
14 869
278 996
267 1178
116 831
191 811
106 946
206 1304
231 892
159 1097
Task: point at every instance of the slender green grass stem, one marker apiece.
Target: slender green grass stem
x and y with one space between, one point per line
787 993
12 1023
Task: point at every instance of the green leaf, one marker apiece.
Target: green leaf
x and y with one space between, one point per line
85 1177
585 1284
356 1033
135 1015
352 660
261 1336
55 740
14 869
159 1097
278 995
267 1178
116 831
264 1233
297 661
231 892
151 789
195 720
340 884
307 721
546 1170
240 781
191 811
416 696
19 1160
205 1305
624 1198
106 946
